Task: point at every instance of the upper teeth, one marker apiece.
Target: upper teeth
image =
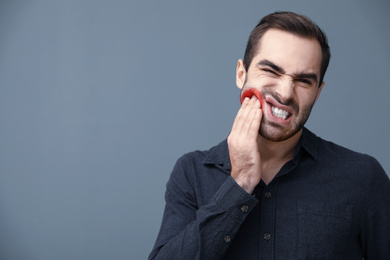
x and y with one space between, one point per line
280 113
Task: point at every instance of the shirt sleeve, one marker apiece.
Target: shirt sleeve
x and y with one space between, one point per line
376 226
189 232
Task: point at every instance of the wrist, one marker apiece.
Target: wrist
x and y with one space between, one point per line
247 184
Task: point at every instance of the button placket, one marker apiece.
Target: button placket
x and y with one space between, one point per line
268 220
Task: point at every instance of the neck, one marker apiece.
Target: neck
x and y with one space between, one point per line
275 154
270 150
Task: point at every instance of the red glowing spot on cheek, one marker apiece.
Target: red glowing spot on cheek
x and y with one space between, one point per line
252 92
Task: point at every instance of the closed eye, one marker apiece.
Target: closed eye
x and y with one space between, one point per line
305 81
270 71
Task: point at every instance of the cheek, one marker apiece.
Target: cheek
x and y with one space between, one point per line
306 97
306 102
252 92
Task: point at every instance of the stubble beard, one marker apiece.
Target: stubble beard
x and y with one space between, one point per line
277 133
274 132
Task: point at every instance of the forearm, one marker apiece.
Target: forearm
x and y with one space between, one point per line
210 234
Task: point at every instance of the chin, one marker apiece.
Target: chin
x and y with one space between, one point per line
275 134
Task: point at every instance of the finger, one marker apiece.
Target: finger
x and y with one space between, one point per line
245 115
240 115
250 115
253 131
244 106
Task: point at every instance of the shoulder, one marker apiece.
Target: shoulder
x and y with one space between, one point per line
335 152
200 173
360 165
217 154
197 162
328 151
357 176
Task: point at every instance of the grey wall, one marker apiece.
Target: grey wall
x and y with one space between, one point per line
99 98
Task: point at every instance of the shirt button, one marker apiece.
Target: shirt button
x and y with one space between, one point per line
267 194
267 236
227 239
245 208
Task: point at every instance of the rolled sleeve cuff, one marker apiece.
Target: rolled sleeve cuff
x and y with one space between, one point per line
230 195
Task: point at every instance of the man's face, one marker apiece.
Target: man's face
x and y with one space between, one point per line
286 70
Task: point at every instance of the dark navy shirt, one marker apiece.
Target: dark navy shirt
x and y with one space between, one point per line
326 203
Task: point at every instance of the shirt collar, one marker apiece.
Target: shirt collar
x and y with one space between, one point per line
220 154
309 142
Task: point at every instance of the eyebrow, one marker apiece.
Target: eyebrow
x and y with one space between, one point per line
280 70
272 65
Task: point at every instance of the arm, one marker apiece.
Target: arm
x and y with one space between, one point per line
191 233
376 226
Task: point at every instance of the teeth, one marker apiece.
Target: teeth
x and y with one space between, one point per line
280 113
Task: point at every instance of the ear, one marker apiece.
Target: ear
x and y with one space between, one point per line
240 74
319 90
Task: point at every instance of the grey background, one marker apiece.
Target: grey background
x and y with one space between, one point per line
99 98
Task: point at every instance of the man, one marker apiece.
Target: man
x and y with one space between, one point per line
274 190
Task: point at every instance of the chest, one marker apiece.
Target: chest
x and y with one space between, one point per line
301 217
270 169
303 213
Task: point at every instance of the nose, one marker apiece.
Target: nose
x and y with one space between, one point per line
285 88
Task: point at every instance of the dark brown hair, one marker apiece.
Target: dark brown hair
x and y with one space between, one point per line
293 23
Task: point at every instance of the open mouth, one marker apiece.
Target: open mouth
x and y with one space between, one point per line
280 113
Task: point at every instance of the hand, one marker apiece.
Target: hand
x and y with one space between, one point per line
243 149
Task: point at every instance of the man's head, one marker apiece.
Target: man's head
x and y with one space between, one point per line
289 22
285 61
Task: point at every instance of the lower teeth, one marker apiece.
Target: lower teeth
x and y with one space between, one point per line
281 117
